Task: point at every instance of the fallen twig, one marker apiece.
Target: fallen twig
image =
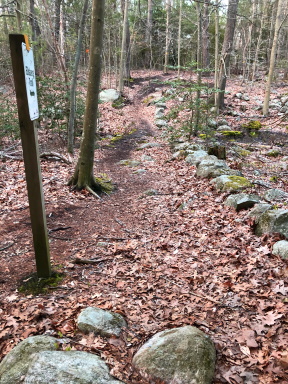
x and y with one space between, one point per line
58 229
55 154
7 246
78 260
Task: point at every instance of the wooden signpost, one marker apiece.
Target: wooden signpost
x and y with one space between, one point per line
26 95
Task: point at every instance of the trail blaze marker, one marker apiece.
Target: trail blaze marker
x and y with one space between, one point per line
26 95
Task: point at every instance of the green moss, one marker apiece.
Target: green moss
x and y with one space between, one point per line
148 99
204 136
236 182
105 183
253 125
273 153
232 133
35 286
119 103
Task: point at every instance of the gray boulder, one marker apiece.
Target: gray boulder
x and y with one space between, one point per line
159 112
281 249
100 322
66 367
196 157
212 123
36 361
242 201
109 95
258 210
230 183
213 167
275 194
160 123
178 356
273 221
16 363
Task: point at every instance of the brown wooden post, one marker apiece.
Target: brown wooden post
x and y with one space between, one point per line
31 161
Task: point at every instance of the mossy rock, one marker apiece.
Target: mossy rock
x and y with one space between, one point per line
273 153
182 355
231 183
273 221
253 125
129 163
232 133
105 183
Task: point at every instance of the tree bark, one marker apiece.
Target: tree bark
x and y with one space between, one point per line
148 35
272 58
167 43
124 53
179 36
71 123
205 36
226 50
216 65
83 175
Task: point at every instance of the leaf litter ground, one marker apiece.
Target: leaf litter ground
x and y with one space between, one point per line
175 257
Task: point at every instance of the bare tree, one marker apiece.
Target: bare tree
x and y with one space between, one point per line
272 57
83 177
227 50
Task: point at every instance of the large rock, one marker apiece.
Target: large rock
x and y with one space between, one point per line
258 210
36 361
242 201
213 167
66 367
273 221
16 363
281 249
275 194
104 323
109 95
196 157
178 356
230 183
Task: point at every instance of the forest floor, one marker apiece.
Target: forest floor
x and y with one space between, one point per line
164 260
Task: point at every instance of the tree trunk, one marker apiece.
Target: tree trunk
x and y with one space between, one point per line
205 36
259 40
123 58
148 35
272 57
57 19
19 15
179 37
71 123
167 44
226 50
83 175
216 66
199 68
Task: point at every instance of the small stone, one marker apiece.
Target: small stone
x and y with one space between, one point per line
104 323
242 201
149 145
281 249
276 195
239 95
129 163
161 104
160 123
151 192
159 112
212 123
245 97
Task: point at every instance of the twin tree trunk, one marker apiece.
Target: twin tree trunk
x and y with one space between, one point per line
83 177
